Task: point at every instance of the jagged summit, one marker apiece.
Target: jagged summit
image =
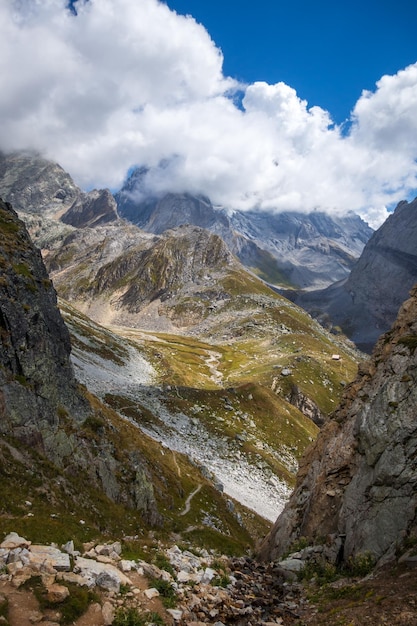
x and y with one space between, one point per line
357 484
37 186
288 248
33 184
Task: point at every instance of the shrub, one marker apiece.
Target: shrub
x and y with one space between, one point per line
166 591
131 617
321 571
361 564
162 562
222 580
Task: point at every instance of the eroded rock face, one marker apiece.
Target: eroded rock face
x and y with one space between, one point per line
91 209
367 302
357 485
37 381
33 184
41 404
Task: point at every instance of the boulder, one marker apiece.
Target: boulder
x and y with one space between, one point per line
50 555
13 540
108 574
57 593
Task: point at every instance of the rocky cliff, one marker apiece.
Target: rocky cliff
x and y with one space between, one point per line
36 374
42 407
33 184
366 303
356 490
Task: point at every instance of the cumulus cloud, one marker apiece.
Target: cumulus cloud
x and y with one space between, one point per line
132 83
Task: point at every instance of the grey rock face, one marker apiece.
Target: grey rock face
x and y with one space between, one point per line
37 379
303 250
94 208
33 184
367 302
358 482
41 404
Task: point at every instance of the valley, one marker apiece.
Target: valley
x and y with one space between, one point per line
157 392
241 432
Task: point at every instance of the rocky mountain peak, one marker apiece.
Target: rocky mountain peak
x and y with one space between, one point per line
32 184
357 484
95 208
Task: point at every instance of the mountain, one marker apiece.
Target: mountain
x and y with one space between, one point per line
286 249
219 339
66 454
233 358
366 303
356 492
37 186
294 250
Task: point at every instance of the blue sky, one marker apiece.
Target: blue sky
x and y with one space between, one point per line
245 103
328 51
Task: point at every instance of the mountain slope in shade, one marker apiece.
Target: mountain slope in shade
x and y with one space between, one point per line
367 302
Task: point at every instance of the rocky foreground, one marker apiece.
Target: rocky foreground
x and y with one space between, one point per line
202 589
39 584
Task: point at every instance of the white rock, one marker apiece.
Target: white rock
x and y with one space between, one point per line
126 566
176 614
51 556
13 540
183 577
208 575
75 579
89 568
68 547
108 580
292 565
151 593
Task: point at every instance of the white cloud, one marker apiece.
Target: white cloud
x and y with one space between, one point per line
129 82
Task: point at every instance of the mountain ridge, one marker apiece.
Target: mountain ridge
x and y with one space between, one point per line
303 250
366 303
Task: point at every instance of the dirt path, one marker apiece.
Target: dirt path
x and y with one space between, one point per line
24 610
188 500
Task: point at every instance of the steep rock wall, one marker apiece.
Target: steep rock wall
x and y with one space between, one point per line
41 404
356 488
